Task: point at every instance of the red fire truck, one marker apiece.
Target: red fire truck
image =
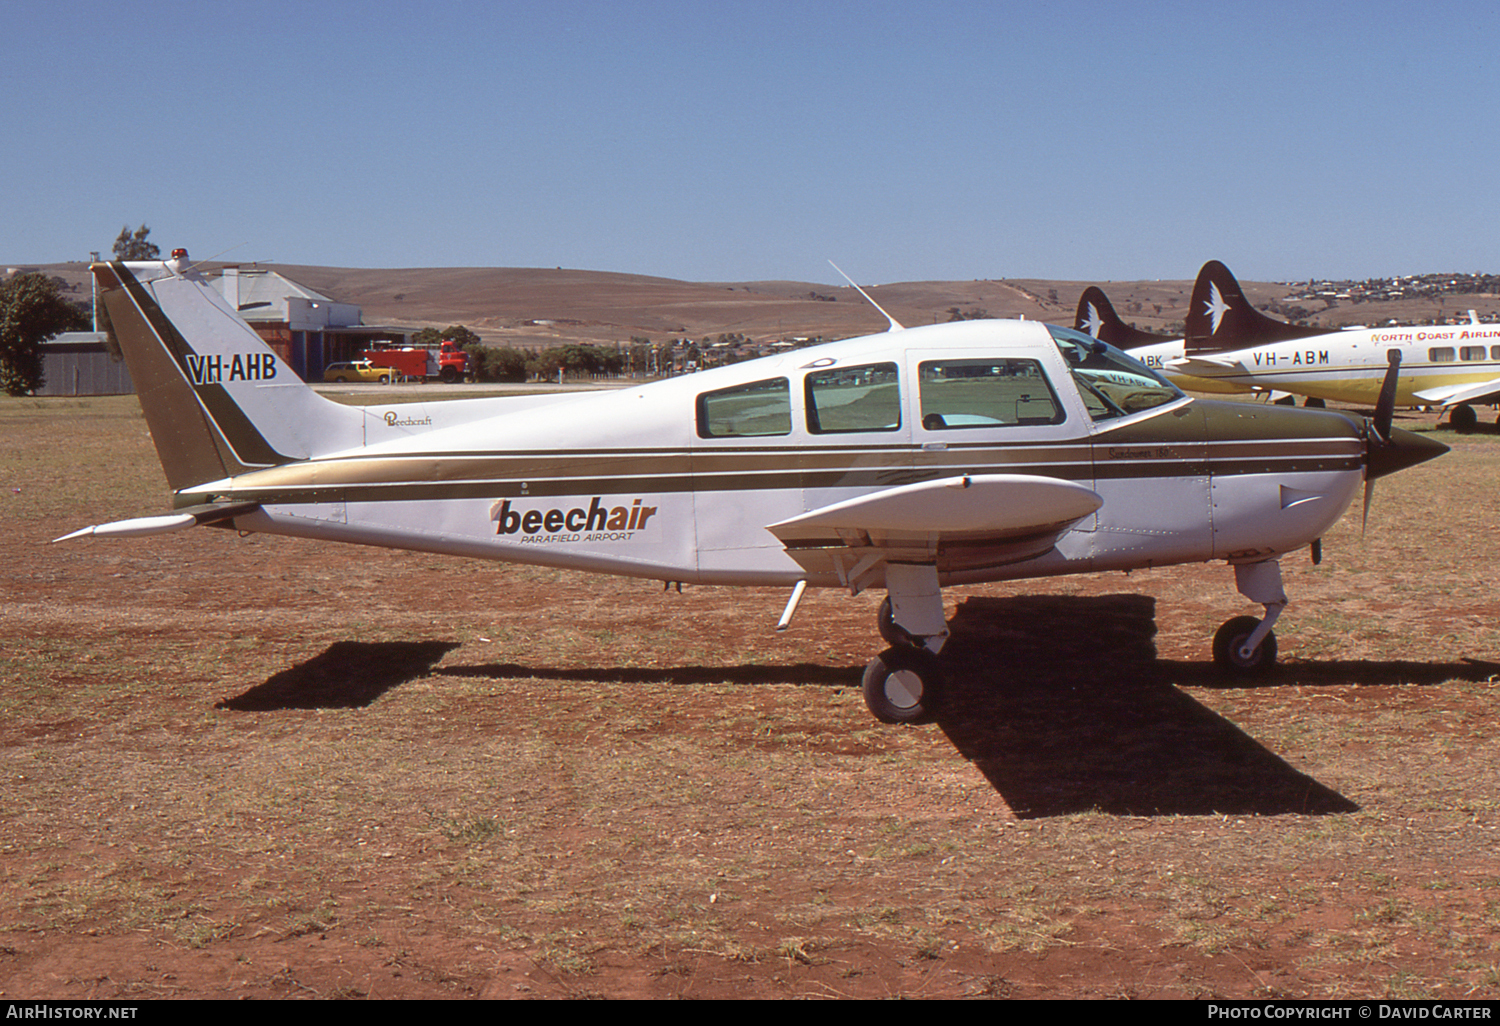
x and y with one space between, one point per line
446 363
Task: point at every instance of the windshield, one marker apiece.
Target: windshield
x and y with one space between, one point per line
1112 383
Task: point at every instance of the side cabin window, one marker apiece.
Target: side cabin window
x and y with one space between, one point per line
746 411
960 394
864 398
1440 354
1111 383
1472 353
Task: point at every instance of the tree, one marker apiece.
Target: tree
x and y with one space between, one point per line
134 246
32 310
429 337
497 364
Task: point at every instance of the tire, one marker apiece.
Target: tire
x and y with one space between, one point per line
885 623
1227 642
1463 419
385 379
903 685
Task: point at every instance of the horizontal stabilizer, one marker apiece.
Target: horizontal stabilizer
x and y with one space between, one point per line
191 516
1201 363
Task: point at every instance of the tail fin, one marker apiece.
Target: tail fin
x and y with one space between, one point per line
218 400
1097 317
1221 319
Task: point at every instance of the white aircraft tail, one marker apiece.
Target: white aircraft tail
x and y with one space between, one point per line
218 400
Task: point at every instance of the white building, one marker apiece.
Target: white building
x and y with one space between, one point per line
306 329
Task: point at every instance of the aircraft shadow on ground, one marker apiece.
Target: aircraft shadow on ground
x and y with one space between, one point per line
348 675
1064 706
749 673
1059 700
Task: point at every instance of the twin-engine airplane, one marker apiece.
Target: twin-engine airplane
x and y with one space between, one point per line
1229 346
910 460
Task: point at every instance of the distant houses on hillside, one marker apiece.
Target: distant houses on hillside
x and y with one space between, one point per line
1414 286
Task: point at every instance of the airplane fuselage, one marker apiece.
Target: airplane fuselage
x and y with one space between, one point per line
644 481
1348 366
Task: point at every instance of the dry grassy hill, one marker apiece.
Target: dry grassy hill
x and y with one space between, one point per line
537 307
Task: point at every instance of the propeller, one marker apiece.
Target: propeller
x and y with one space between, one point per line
1378 432
1389 449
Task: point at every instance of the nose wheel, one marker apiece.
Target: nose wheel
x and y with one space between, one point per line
1234 656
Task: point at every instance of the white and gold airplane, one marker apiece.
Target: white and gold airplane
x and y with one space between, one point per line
911 460
1229 343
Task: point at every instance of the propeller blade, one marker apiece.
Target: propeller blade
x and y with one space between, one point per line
1385 406
1369 494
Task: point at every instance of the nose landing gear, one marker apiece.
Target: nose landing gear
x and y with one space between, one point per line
1245 646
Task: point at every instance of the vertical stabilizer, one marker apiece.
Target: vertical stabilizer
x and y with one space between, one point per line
218 400
1221 319
1096 316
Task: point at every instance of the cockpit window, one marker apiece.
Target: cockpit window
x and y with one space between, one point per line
995 392
1111 382
864 398
746 411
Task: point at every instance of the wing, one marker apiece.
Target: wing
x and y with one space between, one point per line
1453 395
957 523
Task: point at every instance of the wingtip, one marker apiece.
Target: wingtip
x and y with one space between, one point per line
81 532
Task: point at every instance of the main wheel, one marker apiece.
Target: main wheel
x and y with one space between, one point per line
902 685
1231 637
885 623
1463 419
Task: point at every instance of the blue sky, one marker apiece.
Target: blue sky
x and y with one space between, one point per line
724 141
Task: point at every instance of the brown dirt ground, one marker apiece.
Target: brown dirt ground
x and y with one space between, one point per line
257 767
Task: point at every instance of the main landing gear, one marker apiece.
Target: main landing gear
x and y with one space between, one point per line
1463 419
904 684
1245 646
